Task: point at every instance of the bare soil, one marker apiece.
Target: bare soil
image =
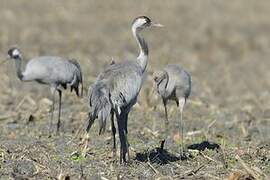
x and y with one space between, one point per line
223 44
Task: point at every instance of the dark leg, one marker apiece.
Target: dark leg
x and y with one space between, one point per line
86 137
166 113
122 137
59 111
125 116
52 111
126 132
113 134
177 103
90 123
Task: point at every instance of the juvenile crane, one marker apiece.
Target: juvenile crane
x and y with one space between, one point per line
51 70
173 83
117 87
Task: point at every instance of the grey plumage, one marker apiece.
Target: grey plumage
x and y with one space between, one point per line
51 70
173 83
100 101
117 87
78 79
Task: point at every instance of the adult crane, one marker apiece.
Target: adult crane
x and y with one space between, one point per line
117 87
173 83
50 70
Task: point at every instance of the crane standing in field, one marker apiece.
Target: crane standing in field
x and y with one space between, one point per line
173 83
116 89
51 70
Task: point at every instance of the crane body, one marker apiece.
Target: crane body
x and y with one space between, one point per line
54 71
116 89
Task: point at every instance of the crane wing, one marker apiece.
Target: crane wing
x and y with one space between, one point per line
125 81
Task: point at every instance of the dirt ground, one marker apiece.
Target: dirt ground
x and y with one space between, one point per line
225 45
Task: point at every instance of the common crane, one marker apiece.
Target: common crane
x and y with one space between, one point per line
173 83
51 70
117 87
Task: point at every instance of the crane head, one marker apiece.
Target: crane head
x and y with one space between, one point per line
158 76
143 22
14 53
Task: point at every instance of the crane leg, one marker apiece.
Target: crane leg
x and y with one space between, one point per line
113 134
166 113
126 132
90 121
52 110
181 103
86 137
122 137
59 111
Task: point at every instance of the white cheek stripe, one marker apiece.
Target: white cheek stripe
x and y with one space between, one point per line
15 52
139 22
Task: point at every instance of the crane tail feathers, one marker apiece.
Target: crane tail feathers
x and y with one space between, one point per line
101 105
79 77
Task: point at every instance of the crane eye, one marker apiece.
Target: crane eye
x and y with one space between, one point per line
156 79
147 24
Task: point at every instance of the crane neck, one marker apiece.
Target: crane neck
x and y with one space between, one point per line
143 56
18 64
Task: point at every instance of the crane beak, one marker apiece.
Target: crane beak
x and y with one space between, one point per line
156 25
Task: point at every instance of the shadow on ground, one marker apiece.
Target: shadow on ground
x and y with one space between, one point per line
160 156
204 145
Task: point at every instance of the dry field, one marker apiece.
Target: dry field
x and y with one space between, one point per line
225 45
